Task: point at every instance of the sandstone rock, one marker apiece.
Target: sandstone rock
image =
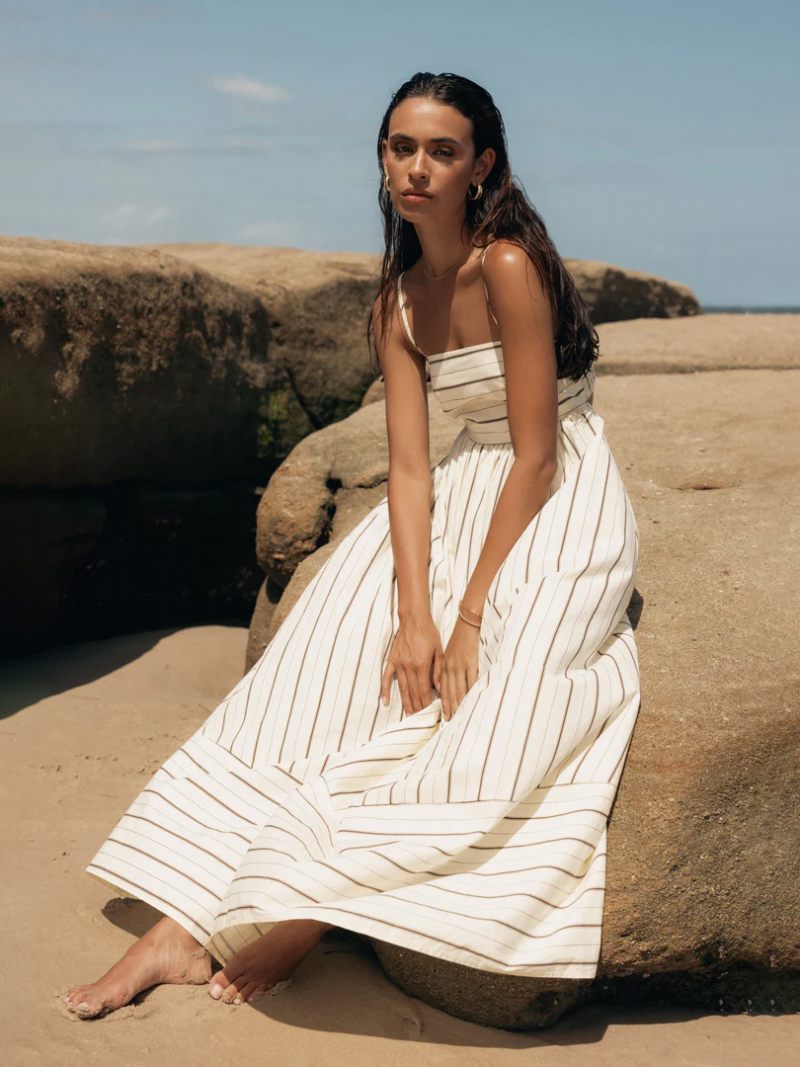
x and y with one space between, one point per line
126 367
705 342
318 305
319 493
703 863
615 293
127 363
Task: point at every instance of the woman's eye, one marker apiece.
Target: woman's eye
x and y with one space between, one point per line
444 151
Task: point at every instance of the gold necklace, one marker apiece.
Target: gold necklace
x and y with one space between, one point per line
438 277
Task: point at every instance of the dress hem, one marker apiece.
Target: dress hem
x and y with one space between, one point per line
359 924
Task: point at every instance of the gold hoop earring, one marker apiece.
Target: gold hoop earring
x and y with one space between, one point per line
386 181
477 195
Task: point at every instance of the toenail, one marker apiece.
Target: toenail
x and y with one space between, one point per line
216 991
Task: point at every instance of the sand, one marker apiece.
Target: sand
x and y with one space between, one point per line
83 727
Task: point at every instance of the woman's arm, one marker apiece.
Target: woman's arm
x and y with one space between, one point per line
526 332
410 481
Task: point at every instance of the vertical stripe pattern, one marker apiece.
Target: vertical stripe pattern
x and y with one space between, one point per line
481 839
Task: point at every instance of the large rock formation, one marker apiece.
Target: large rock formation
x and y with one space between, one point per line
148 393
144 399
615 294
703 869
702 902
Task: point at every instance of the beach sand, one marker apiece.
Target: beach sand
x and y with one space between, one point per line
83 727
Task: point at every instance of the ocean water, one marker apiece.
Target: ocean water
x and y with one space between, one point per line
741 309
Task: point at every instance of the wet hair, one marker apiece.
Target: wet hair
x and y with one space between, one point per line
503 212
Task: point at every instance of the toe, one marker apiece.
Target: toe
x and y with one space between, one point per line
234 989
72 996
222 981
261 991
246 992
219 983
85 1010
217 987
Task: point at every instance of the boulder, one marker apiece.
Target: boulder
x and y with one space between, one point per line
316 496
705 342
318 306
615 293
126 363
144 400
703 863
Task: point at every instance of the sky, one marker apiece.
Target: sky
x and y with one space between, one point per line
656 137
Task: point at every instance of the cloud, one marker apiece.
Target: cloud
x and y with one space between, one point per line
249 89
129 215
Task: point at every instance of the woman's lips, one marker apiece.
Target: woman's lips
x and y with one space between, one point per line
416 197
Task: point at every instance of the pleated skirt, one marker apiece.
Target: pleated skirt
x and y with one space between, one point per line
480 839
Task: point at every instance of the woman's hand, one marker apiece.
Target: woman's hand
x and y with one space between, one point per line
459 670
416 649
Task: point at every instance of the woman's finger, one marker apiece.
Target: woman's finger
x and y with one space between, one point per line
437 670
458 690
402 682
424 686
472 675
447 690
413 689
386 682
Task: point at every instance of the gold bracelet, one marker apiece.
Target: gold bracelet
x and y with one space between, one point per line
469 622
471 611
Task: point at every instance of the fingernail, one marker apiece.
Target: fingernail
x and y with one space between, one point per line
237 1000
215 991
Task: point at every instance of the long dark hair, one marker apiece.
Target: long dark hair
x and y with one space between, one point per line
502 212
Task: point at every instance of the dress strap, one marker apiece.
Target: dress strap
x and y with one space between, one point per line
488 305
401 300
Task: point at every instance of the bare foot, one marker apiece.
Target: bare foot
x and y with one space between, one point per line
167 953
273 957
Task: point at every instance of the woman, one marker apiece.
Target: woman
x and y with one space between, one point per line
461 812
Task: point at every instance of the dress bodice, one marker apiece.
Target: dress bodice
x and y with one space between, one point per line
470 385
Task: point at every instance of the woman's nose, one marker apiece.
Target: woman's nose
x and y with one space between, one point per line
417 167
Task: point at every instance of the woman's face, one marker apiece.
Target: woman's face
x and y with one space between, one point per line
429 149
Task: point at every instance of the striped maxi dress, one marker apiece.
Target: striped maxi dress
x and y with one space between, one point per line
480 839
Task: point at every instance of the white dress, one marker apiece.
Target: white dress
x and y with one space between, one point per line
480 839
